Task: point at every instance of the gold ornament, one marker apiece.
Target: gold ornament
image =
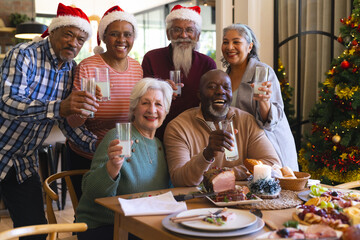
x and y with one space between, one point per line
336 138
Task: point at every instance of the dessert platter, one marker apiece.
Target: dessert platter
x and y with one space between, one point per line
326 214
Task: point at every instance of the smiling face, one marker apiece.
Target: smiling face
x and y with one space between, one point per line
67 42
235 48
215 95
183 33
119 39
150 113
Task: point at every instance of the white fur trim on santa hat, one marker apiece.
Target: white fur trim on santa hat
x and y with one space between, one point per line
63 21
186 14
98 50
116 16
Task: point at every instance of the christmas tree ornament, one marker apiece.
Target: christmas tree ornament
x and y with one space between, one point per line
345 64
336 138
340 39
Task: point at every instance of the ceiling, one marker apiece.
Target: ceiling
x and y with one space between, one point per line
96 7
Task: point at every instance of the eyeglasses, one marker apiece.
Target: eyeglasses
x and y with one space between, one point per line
118 34
179 31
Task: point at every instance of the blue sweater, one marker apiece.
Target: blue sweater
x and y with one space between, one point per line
137 174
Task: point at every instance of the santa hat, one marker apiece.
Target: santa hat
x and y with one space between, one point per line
186 13
113 14
68 16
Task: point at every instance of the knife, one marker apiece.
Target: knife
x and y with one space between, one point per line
184 197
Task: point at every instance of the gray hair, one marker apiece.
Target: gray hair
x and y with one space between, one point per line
249 36
143 86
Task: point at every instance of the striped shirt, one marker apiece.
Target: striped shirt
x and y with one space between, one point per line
31 90
108 112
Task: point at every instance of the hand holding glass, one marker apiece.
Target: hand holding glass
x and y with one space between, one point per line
123 131
88 85
175 76
228 126
103 81
261 76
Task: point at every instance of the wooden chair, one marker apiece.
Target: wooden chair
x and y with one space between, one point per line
349 185
52 196
51 229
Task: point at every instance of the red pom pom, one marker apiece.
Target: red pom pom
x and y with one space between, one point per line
340 39
345 64
354 70
354 43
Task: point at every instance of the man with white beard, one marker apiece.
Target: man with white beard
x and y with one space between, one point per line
194 143
183 28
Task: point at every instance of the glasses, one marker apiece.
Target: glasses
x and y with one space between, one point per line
118 34
179 31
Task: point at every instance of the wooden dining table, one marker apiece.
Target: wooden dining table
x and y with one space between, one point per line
150 227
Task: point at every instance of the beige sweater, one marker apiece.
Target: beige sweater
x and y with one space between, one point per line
187 135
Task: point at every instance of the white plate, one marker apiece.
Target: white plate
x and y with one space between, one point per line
234 203
243 219
178 228
304 195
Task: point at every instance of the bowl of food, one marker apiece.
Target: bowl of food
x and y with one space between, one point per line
296 183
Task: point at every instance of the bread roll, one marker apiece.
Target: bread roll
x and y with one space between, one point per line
287 172
250 163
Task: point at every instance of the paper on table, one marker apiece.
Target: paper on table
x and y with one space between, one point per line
154 205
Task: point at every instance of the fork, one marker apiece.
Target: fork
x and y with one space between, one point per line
269 224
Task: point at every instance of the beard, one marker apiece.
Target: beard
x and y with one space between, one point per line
182 55
218 114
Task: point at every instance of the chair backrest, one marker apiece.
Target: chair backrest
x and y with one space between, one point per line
52 196
51 229
349 185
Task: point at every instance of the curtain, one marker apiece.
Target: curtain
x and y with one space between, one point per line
315 48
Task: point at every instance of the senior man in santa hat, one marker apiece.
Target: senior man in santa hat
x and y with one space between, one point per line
35 93
183 28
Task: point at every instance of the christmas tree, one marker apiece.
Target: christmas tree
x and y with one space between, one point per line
286 92
331 152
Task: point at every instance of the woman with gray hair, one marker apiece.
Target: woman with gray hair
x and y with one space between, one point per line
240 57
145 170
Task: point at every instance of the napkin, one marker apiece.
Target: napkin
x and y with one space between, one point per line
311 182
154 205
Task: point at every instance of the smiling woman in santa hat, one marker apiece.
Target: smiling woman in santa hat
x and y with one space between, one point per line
118 30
